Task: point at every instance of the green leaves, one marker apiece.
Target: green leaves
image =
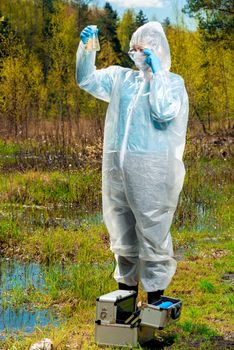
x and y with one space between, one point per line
215 17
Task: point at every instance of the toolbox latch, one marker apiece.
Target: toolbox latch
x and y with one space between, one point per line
175 312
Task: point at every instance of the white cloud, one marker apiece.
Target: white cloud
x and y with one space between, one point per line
140 3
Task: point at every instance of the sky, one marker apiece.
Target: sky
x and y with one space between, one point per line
153 9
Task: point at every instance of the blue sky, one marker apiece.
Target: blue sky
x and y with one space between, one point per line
153 9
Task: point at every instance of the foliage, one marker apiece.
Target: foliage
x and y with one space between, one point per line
215 18
206 69
108 27
126 28
37 62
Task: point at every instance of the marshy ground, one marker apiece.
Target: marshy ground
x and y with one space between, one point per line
56 258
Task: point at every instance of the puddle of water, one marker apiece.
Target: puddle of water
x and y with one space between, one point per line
24 275
24 317
67 217
17 281
73 217
179 254
205 220
13 321
229 277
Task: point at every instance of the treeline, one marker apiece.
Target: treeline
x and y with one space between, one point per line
39 97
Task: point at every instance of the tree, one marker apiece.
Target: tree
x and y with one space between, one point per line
61 77
47 7
82 9
166 23
215 18
125 29
38 42
141 19
4 35
21 90
107 22
111 22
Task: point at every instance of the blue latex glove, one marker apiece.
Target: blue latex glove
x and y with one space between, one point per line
152 60
87 33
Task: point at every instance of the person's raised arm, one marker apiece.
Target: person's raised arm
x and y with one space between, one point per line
99 83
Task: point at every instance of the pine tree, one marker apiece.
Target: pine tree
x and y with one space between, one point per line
82 9
47 7
5 29
107 24
141 19
111 22
166 23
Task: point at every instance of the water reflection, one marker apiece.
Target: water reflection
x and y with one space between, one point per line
15 320
31 217
17 314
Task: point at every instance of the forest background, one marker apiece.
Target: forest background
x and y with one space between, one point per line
40 99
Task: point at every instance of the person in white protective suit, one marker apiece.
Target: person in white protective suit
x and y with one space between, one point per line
143 171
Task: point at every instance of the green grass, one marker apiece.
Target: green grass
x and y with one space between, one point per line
207 298
198 329
207 286
9 230
78 265
9 148
44 188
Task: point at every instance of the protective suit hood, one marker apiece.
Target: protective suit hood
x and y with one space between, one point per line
151 35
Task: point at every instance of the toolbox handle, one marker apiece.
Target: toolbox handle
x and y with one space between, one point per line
175 312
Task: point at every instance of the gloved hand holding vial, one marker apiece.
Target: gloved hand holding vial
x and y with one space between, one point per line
89 37
144 140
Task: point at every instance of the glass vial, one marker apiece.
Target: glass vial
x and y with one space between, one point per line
93 42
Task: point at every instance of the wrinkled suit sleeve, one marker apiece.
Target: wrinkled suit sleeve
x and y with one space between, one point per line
98 83
166 95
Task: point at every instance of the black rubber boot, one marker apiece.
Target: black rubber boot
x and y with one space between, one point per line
126 287
154 296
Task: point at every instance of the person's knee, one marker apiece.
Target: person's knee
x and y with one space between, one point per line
127 270
156 275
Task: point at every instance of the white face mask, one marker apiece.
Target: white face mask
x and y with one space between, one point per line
139 60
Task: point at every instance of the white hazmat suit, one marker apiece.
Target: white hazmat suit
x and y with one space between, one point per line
143 171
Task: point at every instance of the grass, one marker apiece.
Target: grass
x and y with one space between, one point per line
207 287
77 266
73 287
205 316
9 148
50 154
205 203
89 243
44 188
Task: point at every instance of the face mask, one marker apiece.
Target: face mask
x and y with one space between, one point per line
139 60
